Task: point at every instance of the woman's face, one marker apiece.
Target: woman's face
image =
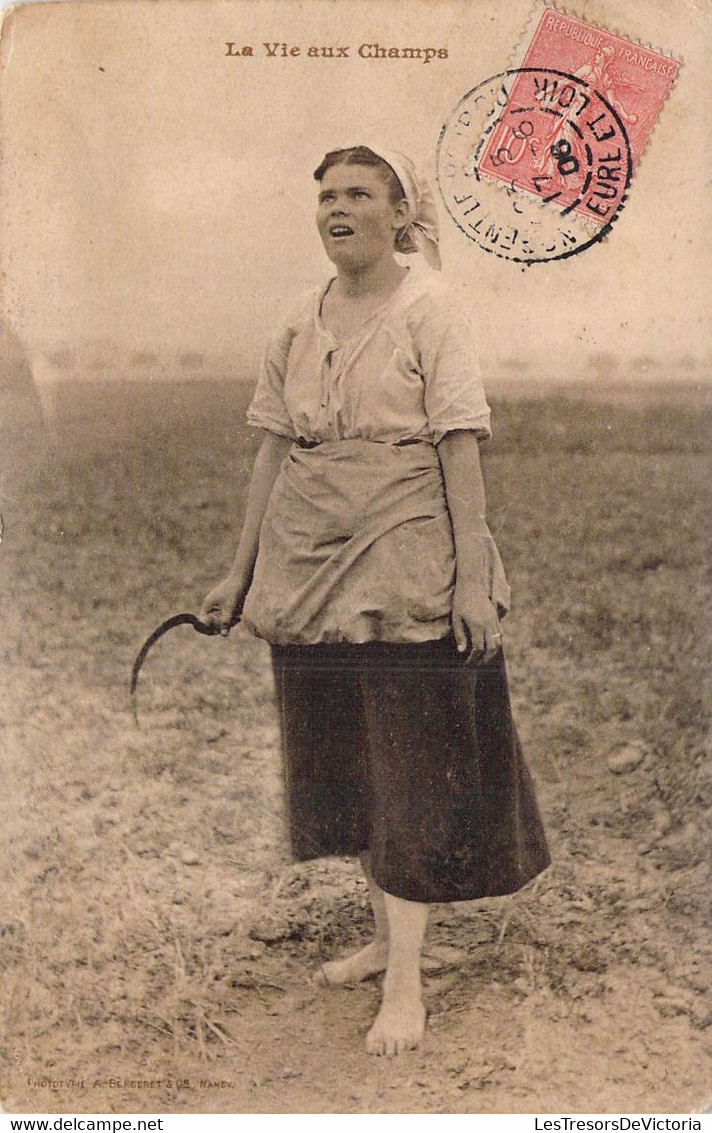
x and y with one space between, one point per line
356 220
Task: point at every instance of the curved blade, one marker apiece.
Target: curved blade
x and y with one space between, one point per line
164 627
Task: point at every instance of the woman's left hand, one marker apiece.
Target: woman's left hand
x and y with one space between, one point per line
475 623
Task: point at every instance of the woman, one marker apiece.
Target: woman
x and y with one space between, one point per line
366 562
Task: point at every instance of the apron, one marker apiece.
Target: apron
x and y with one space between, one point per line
356 545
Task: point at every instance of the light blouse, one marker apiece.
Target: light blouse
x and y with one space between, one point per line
356 543
410 371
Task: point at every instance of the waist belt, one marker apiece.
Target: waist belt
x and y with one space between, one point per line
302 442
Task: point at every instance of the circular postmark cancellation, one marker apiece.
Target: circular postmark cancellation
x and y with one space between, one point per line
534 165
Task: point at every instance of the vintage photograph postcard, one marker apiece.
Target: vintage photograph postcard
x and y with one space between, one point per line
354 521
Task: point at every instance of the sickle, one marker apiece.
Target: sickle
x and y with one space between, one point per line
164 627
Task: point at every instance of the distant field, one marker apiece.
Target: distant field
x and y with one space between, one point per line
141 864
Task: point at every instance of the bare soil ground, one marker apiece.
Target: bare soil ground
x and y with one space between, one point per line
155 941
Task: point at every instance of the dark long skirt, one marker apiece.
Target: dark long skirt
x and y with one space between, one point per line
405 751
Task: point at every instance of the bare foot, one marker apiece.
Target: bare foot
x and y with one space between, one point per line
400 1024
352 969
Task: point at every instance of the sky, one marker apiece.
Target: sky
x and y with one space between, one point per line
158 193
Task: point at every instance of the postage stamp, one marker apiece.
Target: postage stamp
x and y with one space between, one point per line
534 163
548 156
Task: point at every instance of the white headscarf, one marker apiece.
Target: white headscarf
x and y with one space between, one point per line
421 232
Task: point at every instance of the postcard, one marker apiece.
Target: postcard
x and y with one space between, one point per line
262 264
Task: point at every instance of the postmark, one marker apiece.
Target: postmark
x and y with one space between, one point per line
558 139
563 129
531 115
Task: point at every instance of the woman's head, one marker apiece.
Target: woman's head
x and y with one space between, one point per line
393 179
362 207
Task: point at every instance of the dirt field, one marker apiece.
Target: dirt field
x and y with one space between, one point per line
155 942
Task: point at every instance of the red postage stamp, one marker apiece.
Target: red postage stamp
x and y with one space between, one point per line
578 113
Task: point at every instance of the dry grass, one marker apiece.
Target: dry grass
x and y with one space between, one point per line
149 906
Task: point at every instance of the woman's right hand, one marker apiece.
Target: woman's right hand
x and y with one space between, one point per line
222 606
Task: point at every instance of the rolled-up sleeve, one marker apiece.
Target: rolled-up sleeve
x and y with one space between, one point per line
267 409
448 355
